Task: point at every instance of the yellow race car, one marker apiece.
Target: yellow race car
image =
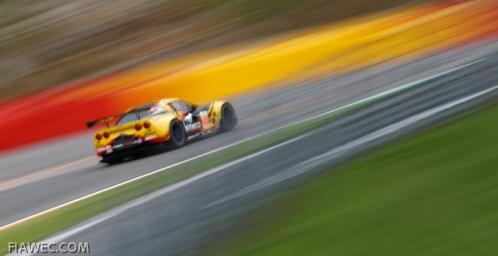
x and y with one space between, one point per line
167 122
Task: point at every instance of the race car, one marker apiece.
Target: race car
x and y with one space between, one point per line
168 123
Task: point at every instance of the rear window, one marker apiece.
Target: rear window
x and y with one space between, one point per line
135 115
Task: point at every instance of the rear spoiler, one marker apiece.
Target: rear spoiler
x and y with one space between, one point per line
106 120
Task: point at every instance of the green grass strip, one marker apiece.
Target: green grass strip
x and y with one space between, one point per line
435 193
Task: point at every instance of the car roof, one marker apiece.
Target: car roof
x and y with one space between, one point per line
150 104
167 100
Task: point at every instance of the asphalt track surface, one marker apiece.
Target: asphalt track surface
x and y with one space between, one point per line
184 220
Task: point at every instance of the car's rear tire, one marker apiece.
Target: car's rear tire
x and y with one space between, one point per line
178 135
228 117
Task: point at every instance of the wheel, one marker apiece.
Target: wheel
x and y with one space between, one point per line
178 136
110 160
228 117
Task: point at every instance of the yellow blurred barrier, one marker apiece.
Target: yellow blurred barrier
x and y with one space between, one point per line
323 50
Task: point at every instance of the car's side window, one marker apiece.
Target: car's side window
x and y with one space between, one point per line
181 106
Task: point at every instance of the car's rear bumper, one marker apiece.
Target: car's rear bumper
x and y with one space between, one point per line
131 150
125 149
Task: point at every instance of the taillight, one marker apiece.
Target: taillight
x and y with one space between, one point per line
138 127
146 125
98 136
106 135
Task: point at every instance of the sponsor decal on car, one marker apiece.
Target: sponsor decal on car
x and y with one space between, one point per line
192 126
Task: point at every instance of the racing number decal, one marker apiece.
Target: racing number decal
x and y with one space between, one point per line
108 149
204 120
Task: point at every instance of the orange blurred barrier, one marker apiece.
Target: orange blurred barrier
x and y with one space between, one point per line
228 71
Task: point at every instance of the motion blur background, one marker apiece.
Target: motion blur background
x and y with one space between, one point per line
48 43
279 62
76 59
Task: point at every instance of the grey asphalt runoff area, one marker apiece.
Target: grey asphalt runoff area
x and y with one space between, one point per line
184 220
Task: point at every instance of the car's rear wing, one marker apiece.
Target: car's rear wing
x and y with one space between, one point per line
107 120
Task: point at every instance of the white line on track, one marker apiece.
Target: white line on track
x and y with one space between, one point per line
392 91
46 173
136 202
291 172
357 103
316 161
